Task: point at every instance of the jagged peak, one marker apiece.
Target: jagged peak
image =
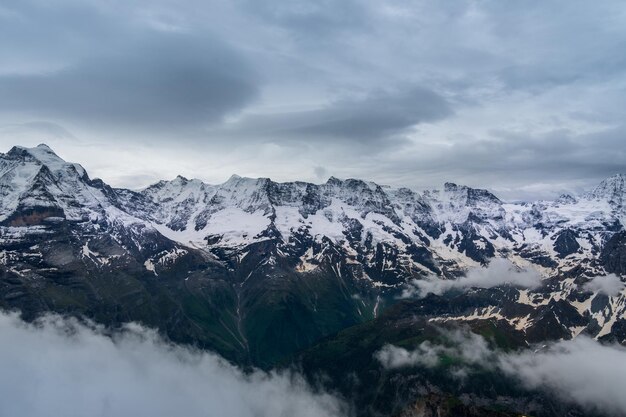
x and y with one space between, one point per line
184 182
42 147
237 180
45 156
403 191
42 153
179 180
566 198
614 187
45 147
357 181
178 186
618 176
473 195
352 184
614 180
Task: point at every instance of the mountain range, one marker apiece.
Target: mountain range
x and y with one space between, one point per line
263 272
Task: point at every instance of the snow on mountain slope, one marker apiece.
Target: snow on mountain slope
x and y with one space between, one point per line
36 178
457 204
41 193
249 206
456 227
611 189
378 238
440 231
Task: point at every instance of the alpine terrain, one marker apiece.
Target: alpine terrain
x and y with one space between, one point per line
322 276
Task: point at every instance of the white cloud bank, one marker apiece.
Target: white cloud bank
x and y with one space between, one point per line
61 368
581 370
610 285
469 347
498 272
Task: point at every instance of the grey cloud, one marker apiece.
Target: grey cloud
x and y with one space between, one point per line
498 272
561 156
515 165
59 367
113 72
374 118
313 21
485 39
41 128
547 62
172 81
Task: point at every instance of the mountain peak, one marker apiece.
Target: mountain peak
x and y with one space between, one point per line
473 196
239 181
452 187
180 179
41 153
45 147
615 179
612 189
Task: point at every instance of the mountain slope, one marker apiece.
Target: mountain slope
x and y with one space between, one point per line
258 270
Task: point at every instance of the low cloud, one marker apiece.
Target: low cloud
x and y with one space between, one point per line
392 357
469 347
498 272
580 371
60 367
610 285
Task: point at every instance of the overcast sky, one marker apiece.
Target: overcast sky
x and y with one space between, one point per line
526 98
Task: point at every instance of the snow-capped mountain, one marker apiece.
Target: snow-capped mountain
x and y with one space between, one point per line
441 231
215 258
39 190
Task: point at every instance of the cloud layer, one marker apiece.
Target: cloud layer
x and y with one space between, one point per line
581 370
59 367
525 99
499 272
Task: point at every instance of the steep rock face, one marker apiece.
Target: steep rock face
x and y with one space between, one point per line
566 243
613 254
611 190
